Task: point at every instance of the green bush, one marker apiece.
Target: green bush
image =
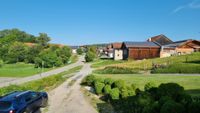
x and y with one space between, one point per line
171 90
172 107
90 56
89 80
108 81
148 86
194 107
99 87
114 93
120 84
107 89
116 70
80 51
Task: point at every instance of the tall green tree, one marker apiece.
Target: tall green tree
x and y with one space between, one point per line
64 53
43 39
17 52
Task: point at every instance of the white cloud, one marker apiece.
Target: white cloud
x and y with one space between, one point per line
192 5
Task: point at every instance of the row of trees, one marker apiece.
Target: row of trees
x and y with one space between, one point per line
14 48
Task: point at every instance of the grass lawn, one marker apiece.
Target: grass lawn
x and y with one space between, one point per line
190 83
42 84
24 70
102 63
19 70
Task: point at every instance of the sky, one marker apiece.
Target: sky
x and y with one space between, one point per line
77 22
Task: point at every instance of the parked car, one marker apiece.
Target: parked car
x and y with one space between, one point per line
23 102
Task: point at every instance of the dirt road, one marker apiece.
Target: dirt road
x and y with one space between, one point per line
8 81
68 98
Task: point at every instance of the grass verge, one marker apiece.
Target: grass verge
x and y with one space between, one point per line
43 84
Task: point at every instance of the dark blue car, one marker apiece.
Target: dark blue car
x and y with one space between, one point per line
23 102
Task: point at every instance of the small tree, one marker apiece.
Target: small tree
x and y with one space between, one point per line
79 51
114 93
99 87
90 56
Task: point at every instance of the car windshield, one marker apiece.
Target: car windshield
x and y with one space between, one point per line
4 105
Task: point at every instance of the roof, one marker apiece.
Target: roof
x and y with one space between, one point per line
179 43
161 39
117 45
30 44
74 47
141 44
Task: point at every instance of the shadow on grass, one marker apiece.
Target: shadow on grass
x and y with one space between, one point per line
194 92
194 62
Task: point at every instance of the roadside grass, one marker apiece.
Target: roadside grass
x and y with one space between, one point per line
74 58
23 70
44 84
20 70
100 105
190 83
102 63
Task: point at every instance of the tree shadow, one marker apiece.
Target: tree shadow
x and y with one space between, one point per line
194 62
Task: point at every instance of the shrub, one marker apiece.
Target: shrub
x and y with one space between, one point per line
108 81
90 56
120 84
194 107
148 86
172 90
116 70
99 87
124 93
79 51
90 80
172 107
107 89
114 93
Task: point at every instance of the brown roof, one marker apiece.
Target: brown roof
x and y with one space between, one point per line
196 44
160 39
30 44
117 45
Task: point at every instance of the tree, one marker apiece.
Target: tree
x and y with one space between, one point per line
1 63
90 56
17 52
48 59
80 51
64 53
43 39
32 53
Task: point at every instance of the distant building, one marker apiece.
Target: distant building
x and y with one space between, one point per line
117 51
160 39
140 50
74 49
180 48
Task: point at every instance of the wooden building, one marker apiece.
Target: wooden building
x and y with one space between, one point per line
160 39
180 48
140 50
117 51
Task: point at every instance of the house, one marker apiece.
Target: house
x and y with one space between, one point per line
29 44
160 39
117 51
180 48
74 49
140 50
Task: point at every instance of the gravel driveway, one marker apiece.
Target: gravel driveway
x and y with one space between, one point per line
68 98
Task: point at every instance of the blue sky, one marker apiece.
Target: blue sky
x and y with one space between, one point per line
77 22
